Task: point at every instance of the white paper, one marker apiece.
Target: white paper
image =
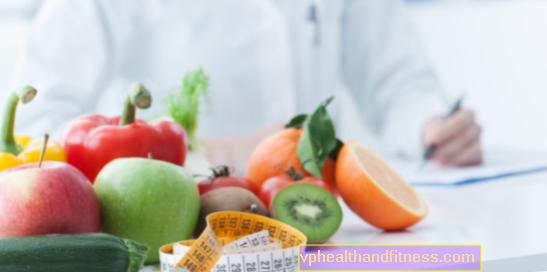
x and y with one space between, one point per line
496 164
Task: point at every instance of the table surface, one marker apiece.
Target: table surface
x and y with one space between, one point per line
508 217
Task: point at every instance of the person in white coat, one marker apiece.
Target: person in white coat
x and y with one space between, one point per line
268 60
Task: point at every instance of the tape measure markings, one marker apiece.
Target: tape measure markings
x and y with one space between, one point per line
237 242
193 264
252 240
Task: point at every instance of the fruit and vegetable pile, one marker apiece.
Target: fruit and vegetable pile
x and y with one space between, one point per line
114 190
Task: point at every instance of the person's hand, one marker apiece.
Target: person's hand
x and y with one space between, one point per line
456 138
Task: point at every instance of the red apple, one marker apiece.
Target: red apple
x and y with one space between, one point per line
53 199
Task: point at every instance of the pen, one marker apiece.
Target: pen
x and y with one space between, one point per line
430 149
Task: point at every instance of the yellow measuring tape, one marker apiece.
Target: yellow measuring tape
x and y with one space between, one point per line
237 242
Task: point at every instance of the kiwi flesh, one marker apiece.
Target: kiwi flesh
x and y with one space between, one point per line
309 208
228 199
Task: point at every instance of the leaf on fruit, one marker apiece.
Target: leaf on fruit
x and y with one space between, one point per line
297 121
326 102
308 151
318 140
322 130
334 153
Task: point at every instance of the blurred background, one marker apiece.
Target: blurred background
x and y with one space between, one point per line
492 50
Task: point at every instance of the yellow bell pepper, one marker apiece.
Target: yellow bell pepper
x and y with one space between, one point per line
23 140
22 149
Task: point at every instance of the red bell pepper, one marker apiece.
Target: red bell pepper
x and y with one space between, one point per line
92 141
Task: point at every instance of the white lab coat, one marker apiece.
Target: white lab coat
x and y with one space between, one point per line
268 60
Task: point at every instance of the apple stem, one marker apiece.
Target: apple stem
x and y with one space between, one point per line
43 151
138 97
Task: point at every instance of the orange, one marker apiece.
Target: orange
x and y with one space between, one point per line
376 192
276 153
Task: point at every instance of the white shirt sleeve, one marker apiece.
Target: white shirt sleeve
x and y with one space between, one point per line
68 58
388 75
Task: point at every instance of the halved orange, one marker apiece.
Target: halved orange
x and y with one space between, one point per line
375 191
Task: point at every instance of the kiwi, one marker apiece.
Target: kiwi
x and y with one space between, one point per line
228 199
309 208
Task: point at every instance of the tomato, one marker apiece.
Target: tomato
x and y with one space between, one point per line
272 185
221 178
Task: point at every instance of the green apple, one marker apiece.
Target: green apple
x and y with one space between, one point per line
150 201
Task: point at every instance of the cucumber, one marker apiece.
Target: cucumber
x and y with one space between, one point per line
91 252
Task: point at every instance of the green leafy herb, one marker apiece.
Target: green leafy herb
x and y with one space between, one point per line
183 104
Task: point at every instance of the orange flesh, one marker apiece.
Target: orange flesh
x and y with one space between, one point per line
387 179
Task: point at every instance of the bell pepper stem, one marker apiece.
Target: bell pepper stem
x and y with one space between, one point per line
138 97
43 151
7 139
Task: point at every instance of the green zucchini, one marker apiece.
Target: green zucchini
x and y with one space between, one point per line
91 252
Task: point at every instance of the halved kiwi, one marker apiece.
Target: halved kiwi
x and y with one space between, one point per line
309 208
